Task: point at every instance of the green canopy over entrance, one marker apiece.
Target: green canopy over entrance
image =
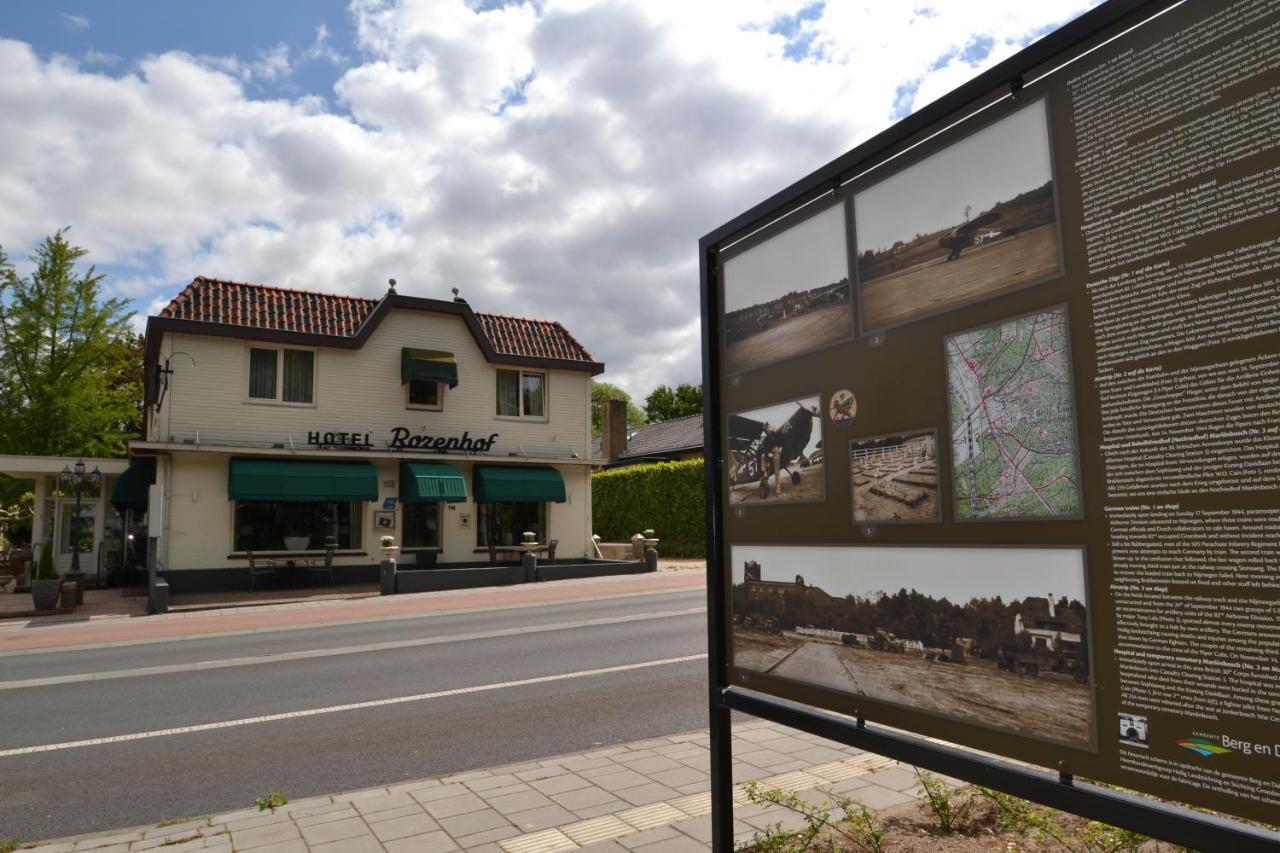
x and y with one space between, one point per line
529 484
301 480
431 482
428 365
130 490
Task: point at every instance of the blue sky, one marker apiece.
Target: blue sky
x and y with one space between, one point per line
124 32
550 158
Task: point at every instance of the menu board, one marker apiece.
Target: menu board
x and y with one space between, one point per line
1000 422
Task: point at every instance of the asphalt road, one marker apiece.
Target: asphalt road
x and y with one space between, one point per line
436 692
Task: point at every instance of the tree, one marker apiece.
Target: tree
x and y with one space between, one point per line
602 391
70 369
664 404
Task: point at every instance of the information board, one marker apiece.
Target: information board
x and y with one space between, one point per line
998 420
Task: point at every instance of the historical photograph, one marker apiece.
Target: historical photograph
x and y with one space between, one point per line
972 221
992 636
1133 729
895 478
789 295
1013 441
776 453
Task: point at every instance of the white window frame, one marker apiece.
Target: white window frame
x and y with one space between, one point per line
439 407
546 395
279 400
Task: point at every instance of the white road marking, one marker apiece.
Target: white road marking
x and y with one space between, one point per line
340 709
306 654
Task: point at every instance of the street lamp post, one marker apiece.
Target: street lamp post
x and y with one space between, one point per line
77 478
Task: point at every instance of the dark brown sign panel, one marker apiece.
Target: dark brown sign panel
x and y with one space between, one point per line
1001 422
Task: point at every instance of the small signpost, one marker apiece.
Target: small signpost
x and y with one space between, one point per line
991 444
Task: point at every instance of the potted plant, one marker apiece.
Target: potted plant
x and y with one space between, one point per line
389 548
529 537
45 586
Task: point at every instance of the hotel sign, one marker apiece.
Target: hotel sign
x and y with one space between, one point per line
402 438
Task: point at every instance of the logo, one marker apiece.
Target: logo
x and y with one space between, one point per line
843 408
1202 746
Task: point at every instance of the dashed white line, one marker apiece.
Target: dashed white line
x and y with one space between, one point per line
340 709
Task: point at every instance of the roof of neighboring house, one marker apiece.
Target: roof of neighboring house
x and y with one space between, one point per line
304 312
657 440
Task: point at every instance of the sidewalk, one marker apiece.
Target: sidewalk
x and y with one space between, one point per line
651 796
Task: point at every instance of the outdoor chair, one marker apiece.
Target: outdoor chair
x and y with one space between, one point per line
551 549
322 566
260 567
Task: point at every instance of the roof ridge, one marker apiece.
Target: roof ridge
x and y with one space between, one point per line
275 287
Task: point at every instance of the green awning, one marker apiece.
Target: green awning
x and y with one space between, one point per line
130 490
293 480
429 365
431 482
529 483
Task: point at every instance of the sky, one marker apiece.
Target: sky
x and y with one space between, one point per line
554 158
957 574
809 254
994 164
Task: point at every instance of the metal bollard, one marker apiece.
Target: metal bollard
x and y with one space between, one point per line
650 559
530 563
388 577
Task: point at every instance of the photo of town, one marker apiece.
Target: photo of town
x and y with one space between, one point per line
991 636
895 478
789 295
776 453
972 221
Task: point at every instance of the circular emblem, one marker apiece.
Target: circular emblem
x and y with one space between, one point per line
843 408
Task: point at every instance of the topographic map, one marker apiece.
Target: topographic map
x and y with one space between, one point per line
1012 427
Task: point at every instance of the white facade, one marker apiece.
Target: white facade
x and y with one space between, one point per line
205 418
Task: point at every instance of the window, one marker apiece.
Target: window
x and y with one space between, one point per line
296 526
421 525
505 523
282 375
72 532
522 394
425 394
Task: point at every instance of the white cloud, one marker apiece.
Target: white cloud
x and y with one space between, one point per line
75 22
556 159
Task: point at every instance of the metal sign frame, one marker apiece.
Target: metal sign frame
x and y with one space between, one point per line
1058 790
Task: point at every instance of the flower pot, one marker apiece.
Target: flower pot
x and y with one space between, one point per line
390 552
296 543
44 594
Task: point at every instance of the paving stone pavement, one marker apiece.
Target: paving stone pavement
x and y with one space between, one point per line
648 796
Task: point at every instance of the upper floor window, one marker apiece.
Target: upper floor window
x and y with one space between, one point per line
522 393
282 375
425 394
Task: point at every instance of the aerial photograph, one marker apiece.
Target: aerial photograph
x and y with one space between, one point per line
974 220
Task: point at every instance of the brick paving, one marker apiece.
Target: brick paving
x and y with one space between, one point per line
651 796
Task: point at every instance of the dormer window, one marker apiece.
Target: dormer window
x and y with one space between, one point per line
282 375
425 373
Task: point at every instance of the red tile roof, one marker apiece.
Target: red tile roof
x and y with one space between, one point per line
281 309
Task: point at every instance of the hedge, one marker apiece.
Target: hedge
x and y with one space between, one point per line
665 496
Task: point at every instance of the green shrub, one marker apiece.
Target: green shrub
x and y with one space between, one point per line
44 569
666 496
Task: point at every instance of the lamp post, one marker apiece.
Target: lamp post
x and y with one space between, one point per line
76 477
